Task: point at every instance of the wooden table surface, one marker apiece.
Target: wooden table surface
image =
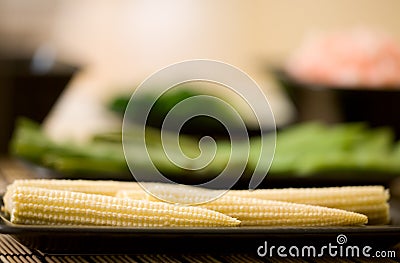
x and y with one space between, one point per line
13 251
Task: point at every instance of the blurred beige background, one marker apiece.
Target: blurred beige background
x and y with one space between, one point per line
121 42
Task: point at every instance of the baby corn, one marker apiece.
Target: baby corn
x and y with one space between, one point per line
264 207
109 188
368 200
256 212
252 211
132 194
38 206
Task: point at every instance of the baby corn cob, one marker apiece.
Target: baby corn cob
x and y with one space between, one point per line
171 193
368 200
85 186
132 194
256 212
30 205
252 211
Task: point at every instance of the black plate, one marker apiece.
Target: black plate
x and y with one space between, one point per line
108 240
378 107
29 93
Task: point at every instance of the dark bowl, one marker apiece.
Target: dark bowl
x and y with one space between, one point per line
377 107
27 92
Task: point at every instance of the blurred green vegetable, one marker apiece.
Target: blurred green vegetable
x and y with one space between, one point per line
314 148
199 125
104 154
302 150
30 143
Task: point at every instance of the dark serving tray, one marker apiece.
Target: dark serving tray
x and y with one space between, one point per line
107 240
378 107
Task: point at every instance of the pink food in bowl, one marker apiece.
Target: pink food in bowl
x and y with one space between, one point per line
357 58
